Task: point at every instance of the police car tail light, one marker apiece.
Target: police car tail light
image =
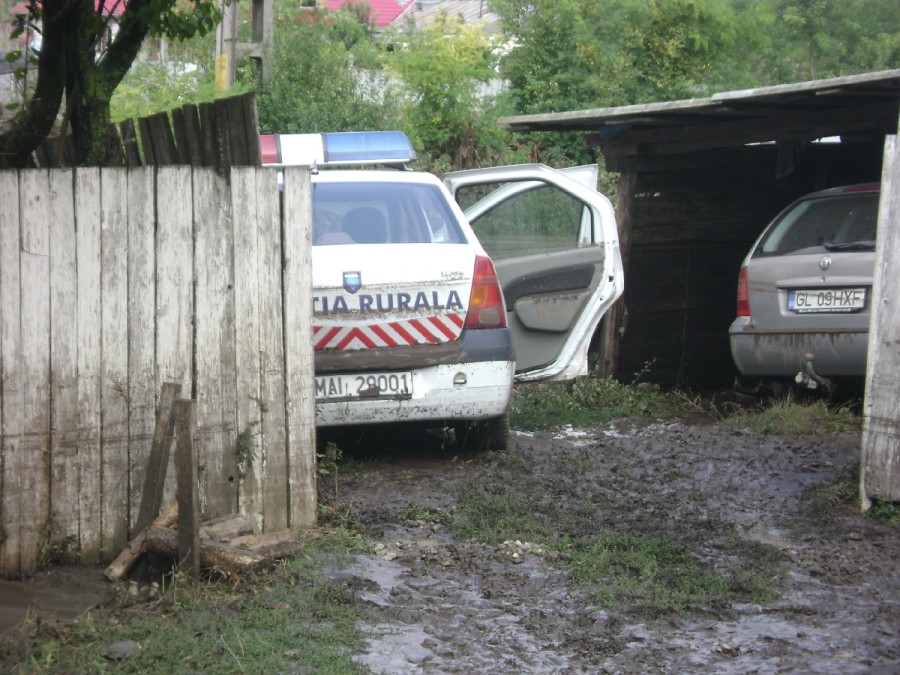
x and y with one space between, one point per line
743 294
486 308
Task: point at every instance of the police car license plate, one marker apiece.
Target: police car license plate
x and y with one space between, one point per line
364 385
831 300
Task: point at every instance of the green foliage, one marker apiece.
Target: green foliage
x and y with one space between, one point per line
886 511
790 416
292 619
442 70
316 83
589 401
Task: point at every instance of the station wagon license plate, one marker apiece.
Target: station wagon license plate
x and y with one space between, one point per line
364 385
830 300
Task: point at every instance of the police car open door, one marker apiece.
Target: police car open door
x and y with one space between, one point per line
555 246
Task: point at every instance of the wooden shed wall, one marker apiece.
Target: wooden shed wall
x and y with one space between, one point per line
691 219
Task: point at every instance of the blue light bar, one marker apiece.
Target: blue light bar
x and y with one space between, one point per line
367 147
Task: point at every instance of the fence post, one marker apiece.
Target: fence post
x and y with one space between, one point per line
880 465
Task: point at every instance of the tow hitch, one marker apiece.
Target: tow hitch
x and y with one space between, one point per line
809 378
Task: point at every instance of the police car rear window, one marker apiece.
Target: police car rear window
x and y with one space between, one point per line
382 213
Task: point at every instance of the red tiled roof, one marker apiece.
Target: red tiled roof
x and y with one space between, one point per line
383 12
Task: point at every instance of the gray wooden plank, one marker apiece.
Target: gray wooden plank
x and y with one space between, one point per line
174 286
273 463
214 323
12 494
34 189
142 392
64 459
299 379
88 322
114 360
250 405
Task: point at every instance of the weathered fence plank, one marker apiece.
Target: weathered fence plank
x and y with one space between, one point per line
14 506
174 286
299 379
250 406
273 464
142 389
34 262
88 329
217 434
880 465
64 460
114 345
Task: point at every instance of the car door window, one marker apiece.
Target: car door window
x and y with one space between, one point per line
527 218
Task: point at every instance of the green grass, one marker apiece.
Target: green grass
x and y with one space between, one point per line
788 416
643 573
291 619
655 576
589 401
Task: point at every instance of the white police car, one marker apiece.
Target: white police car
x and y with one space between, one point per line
414 320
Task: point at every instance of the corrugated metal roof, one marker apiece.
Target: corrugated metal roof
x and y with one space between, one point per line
813 97
426 12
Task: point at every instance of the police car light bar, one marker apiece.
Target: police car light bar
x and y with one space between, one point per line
336 148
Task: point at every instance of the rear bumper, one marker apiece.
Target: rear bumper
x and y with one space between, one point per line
469 379
464 391
767 354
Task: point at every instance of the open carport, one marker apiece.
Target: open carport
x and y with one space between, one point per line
698 180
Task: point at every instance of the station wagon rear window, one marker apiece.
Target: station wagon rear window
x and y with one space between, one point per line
382 213
845 222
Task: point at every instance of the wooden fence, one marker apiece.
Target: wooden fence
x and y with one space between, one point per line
218 134
115 281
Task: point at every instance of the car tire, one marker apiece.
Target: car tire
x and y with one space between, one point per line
483 435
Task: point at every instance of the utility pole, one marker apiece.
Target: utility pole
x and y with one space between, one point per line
229 49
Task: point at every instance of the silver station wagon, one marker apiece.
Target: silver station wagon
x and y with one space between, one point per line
804 292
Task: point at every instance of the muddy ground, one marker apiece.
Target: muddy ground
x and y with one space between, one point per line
732 498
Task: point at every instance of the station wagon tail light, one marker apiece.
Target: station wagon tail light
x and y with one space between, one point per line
743 294
486 309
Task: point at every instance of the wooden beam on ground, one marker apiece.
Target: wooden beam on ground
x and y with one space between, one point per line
129 555
227 559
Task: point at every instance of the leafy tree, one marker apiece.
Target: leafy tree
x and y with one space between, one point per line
323 75
80 63
444 70
815 39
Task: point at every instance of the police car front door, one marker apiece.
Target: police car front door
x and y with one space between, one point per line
554 244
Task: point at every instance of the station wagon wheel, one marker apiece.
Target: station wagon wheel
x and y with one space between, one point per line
482 435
